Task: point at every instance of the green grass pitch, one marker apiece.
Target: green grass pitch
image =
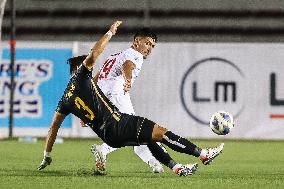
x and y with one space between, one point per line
243 164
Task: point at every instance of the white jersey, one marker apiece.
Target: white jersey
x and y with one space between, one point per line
111 83
111 79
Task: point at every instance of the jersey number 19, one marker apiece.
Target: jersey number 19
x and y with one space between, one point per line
106 68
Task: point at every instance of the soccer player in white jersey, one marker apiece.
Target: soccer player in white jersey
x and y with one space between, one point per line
115 79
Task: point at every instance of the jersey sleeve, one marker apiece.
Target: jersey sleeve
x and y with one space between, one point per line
62 107
132 57
83 72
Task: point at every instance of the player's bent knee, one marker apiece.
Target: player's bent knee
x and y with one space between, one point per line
158 133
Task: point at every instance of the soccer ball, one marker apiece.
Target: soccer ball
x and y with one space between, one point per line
221 122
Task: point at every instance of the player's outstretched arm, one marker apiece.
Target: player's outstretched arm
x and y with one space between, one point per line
50 139
127 68
100 45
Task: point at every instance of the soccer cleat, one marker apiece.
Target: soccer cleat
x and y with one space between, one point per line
211 154
186 170
45 162
100 159
156 166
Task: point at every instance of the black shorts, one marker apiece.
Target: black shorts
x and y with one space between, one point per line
130 130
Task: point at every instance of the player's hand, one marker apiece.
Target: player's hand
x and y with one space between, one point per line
127 86
114 26
45 162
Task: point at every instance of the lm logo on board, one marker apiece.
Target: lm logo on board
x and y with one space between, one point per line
212 84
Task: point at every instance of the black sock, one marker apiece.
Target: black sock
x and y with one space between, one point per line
161 155
180 144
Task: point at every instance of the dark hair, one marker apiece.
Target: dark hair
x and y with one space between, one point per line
146 32
74 62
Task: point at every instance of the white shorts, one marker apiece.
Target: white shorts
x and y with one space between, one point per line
122 102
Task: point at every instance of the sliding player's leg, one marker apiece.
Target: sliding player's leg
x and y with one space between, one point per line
163 156
180 144
144 134
149 131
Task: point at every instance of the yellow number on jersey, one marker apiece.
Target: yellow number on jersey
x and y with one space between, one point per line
80 103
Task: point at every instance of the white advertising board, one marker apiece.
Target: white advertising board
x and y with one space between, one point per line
182 84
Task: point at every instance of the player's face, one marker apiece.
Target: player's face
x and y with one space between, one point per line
144 45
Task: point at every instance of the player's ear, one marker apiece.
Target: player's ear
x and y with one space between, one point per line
136 42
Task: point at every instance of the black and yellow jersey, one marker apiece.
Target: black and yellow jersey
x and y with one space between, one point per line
84 99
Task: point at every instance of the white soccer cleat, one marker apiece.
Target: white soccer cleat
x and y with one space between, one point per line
211 153
186 170
100 159
156 166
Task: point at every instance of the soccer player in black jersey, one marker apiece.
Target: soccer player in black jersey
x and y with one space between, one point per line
84 99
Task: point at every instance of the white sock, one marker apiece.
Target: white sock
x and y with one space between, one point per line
144 153
46 154
106 149
152 162
176 167
203 153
